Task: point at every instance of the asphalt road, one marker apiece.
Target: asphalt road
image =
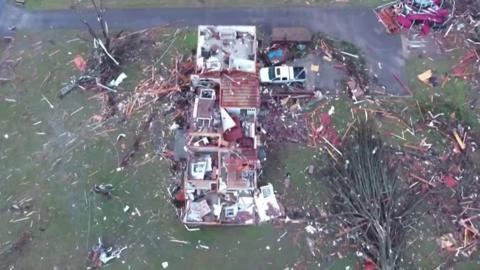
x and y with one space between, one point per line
357 25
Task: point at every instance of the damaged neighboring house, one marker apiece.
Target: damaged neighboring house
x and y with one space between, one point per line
220 182
406 14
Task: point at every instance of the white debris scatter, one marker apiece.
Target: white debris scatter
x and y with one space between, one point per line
200 246
174 126
331 111
121 136
310 229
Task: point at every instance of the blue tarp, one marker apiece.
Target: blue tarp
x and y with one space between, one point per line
276 54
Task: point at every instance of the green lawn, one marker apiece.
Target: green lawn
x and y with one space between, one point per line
452 98
69 4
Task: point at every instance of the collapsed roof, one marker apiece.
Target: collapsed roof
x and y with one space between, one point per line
239 90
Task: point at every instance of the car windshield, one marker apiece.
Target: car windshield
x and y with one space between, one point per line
271 73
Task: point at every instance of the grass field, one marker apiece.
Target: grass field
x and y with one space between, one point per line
110 4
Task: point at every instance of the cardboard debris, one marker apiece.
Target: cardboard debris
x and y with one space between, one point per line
425 77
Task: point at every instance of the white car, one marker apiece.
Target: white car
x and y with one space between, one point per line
282 74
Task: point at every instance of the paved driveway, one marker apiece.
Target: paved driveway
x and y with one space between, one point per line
357 25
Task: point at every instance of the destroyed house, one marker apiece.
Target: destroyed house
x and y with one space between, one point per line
220 182
226 48
226 104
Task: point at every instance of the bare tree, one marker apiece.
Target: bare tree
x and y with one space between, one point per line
370 195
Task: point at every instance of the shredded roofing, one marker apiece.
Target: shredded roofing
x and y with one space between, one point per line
239 90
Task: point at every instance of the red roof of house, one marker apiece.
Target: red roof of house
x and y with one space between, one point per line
239 90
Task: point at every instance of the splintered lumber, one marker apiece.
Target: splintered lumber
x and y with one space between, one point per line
402 84
331 145
422 180
385 114
136 144
414 147
460 142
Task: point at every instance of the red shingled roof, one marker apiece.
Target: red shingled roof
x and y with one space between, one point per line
239 90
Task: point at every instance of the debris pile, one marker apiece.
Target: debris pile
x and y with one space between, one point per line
468 67
290 111
357 84
104 189
155 86
7 65
286 43
322 131
104 70
467 20
454 171
281 120
415 14
161 90
101 254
